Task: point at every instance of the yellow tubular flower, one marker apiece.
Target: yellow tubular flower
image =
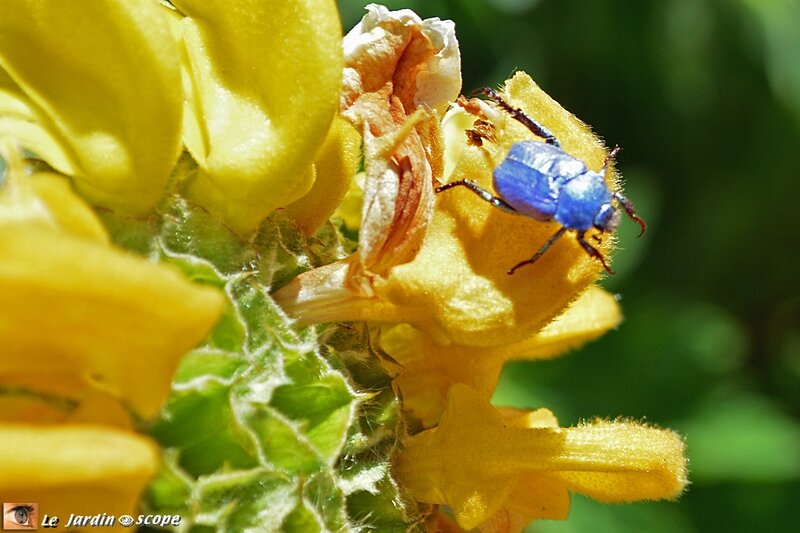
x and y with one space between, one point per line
85 470
113 123
426 370
485 463
260 103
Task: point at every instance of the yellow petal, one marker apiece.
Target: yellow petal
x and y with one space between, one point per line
102 78
70 469
427 370
265 78
590 316
349 210
118 322
18 122
19 202
481 463
70 213
623 462
336 163
45 199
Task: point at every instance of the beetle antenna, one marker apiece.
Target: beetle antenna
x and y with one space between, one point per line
520 116
631 210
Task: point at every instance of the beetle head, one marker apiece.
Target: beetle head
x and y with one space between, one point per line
607 218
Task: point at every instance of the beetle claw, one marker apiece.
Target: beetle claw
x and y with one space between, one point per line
592 251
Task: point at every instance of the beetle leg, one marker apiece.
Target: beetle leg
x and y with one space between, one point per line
520 116
593 252
557 235
483 193
631 210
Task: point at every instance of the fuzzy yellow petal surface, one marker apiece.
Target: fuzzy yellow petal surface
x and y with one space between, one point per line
103 80
74 307
74 469
427 369
336 164
481 462
265 80
459 275
624 462
595 312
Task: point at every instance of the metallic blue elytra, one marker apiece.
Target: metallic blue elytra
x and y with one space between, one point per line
541 181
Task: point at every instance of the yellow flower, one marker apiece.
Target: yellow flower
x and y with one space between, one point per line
455 286
336 162
426 370
487 464
115 123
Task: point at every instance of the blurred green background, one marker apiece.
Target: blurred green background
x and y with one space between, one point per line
704 97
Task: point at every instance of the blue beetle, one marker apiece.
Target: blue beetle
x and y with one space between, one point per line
541 181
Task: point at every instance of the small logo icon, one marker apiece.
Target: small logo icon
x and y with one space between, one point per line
125 520
20 516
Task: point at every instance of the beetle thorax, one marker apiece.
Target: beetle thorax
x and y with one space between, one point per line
585 202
